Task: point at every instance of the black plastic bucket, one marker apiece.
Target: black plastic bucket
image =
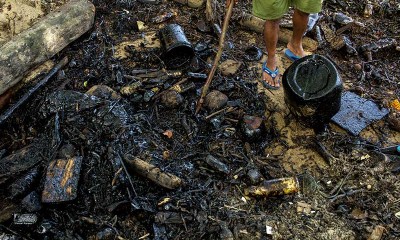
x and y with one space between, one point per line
313 87
178 51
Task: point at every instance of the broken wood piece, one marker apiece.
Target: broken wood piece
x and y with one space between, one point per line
43 40
153 173
62 180
31 91
191 3
23 184
19 161
274 187
257 24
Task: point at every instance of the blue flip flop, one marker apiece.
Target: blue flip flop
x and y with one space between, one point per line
292 57
273 74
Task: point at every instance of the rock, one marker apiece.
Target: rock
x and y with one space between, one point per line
217 164
357 67
254 176
229 67
215 100
171 99
104 92
251 127
67 151
394 122
226 233
31 202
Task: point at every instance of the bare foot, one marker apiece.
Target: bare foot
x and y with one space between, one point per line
271 64
298 51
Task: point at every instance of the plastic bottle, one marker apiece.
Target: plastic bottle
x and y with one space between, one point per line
312 20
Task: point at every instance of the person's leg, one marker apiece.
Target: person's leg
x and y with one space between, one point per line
271 31
303 8
300 21
271 11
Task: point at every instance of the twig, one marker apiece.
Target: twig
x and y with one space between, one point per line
349 193
25 97
127 174
226 110
217 57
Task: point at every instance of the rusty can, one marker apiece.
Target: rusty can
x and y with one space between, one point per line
178 51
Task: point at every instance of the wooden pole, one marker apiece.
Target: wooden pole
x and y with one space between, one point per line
217 57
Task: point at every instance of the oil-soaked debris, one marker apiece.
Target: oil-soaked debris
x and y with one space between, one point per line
217 164
62 179
318 102
357 113
32 202
151 167
253 53
25 182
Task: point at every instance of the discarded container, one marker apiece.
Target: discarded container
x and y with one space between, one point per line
178 51
312 88
274 187
312 20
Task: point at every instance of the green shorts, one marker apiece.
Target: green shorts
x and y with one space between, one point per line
275 9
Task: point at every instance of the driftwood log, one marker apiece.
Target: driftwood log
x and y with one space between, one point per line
43 40
257 24
153 173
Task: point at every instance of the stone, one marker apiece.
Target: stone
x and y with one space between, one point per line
215 100
229 67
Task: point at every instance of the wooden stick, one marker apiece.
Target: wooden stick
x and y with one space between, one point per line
217 57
